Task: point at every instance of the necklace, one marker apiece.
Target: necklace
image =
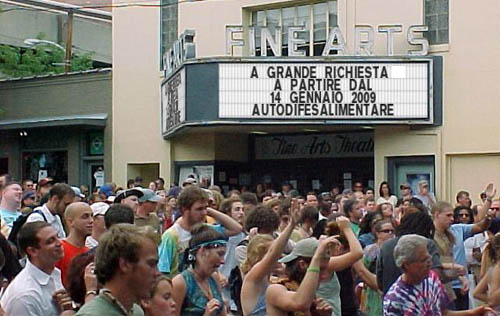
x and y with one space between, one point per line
106 294
204 286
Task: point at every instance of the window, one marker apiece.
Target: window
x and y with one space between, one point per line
437 19
318 19
168 26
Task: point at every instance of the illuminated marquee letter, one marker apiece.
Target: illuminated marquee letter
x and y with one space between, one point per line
390 30
364 46
418 41
266 37
330 45
294 41
230 40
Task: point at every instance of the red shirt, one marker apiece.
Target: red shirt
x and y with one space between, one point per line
70 252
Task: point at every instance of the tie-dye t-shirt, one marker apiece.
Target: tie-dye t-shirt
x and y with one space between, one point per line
428 298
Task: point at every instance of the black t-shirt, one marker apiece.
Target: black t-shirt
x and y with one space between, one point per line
348 304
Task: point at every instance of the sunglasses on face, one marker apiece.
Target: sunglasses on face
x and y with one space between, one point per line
495 208
463 215
387 231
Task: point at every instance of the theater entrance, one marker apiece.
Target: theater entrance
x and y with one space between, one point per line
313 161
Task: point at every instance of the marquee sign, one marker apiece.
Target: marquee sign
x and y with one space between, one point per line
369 91
173 101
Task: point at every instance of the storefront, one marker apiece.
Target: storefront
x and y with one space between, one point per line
216 111
57 127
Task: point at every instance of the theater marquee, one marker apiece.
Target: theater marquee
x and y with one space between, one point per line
302 91
363 91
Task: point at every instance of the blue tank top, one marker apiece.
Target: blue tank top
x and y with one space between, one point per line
260 307
195 300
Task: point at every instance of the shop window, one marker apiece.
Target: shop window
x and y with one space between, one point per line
437 19
169 15
53 164
318 19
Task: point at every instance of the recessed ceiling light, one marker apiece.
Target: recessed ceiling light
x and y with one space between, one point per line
259 133
367 127
310 130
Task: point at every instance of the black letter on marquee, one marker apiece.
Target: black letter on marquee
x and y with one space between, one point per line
255 110
254 73
277 85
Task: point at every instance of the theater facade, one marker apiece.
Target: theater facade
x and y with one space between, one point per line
315 93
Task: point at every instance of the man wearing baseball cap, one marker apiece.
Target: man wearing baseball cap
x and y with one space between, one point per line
145 215
425 195
43 188
130 197
99 209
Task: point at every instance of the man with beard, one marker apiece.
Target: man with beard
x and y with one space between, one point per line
60 196
192 203
126 265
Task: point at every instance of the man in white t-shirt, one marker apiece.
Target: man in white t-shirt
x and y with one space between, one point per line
60 196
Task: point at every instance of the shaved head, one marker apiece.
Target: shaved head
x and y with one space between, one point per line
76 209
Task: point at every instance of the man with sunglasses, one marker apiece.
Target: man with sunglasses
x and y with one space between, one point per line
461 232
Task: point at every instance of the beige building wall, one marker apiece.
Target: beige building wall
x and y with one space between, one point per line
136 93
467 140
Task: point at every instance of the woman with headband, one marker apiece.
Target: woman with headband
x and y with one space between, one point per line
196 291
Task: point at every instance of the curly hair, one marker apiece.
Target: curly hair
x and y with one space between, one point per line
418 222
121 241
75 277
367 222
494 248
263 218
256 250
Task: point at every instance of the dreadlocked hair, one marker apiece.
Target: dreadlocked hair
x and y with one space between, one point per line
418 222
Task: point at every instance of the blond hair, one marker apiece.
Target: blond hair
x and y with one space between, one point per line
256 250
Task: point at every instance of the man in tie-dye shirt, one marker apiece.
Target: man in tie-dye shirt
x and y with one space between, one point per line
418 291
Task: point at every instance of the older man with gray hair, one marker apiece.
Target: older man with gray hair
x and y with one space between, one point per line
418 291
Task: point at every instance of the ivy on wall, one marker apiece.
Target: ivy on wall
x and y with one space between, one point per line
40 60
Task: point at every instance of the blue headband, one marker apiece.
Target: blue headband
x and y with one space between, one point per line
215 243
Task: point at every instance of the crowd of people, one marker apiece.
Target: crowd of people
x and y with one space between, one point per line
190 250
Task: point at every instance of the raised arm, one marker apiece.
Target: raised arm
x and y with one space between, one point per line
265 266
232 226
279 297
490 192
355 253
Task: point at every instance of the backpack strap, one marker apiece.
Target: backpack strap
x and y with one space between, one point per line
38 210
